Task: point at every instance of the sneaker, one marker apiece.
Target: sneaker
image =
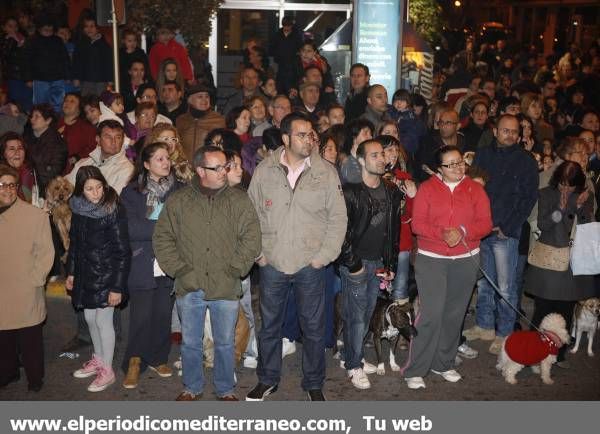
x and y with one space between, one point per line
467 352
250 362
496 346
369 368
189 396
415 383
89 368
316 395
230 398
260 392
477 332
105 378
162 370
450 375
359 378
288 347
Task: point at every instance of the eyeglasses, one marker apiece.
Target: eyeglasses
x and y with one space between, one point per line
446 123
303 136
454 164
169 139
218 169
508 131
8 186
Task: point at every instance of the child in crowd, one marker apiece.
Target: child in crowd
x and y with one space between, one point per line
409 126
97 267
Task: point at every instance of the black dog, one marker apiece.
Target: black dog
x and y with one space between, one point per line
386 314
390 321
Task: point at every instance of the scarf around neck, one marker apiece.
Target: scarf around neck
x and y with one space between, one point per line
80 205
156 191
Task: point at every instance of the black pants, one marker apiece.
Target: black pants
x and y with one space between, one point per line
543 307
29 343
150 324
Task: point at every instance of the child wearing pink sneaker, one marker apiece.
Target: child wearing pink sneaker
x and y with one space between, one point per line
97 267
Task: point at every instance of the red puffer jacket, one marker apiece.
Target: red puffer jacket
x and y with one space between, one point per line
437 208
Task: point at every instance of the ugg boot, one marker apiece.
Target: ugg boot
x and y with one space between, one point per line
133 373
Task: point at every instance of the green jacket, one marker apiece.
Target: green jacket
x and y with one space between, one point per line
300 225
207 243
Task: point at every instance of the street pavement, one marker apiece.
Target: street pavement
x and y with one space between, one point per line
480 381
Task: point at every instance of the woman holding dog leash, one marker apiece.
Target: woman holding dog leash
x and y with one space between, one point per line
564 203
451 214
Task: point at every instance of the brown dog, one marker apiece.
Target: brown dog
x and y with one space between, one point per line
58 192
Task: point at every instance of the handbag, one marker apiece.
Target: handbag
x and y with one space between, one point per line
549 257
585 253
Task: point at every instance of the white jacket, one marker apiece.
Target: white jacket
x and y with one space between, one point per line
117 169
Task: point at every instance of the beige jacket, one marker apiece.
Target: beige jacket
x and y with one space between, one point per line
26 257
300 225
117 169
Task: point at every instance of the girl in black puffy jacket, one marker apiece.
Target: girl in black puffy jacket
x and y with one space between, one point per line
97 267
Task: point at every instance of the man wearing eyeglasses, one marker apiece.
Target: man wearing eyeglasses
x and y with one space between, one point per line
446 134
300 205
512 189
207 237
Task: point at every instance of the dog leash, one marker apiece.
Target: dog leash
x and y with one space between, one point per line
487 277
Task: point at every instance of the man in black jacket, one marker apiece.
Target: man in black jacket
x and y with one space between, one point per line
46 66
92 61
369 253
513 191
356 102
284 49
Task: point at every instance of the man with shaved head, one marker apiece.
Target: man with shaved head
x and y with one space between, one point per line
446 134
377 105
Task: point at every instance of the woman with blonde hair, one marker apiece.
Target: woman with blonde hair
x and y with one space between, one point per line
532 106
168 134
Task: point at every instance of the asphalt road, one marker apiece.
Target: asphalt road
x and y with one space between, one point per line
481 380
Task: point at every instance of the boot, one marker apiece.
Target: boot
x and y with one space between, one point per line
133 373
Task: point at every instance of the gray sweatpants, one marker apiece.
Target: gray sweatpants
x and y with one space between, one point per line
445 287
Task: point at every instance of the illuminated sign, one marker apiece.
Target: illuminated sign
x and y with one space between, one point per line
377 36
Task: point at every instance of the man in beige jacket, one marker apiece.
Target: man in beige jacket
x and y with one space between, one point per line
302 213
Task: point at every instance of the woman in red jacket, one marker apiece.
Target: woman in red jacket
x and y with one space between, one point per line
451 214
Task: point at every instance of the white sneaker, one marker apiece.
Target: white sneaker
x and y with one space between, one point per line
415 383
369 368
450 375
288 347
467 352
359 378
250 362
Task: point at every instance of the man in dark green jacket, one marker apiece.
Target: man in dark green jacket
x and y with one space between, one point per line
207 238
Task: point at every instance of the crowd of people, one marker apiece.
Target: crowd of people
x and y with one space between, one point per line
178 206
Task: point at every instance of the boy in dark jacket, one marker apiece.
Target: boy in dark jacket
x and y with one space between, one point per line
92 61
46 66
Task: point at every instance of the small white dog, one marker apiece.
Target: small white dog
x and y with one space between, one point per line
530 348
585 319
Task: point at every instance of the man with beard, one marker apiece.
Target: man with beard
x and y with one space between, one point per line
369 253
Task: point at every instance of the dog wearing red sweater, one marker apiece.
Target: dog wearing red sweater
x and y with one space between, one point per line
532 348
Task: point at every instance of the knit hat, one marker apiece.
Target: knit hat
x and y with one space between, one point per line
108 97
201 88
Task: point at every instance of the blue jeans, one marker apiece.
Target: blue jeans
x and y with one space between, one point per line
400 284
307 286
499 260
246 305
359 296
51 92
223 316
